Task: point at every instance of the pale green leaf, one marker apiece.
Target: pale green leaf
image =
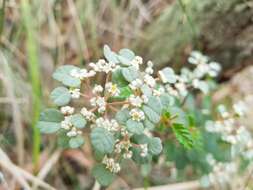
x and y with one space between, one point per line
60 96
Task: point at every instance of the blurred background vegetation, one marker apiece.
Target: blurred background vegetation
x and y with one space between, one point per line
38 36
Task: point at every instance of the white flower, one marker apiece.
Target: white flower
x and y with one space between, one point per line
181 88
196 58
66 124
171 90
149 80
136 101
75 93
82 73
67 110
87 114
137 114
110 125
112 89
159 91
97 89
99 102
144 150
135 84
136 62
214 69
73 132
103 66
149 70
240 108
128 154
111 165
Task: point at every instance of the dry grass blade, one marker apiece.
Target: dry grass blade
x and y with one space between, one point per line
17 120
48 166
21 175
192 185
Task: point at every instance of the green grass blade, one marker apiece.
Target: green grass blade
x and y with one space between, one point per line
33 65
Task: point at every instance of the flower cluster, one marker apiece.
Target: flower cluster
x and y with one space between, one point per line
123 108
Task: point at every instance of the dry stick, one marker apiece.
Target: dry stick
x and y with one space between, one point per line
4 162
79 29
48 166
192 185
17 121
20 174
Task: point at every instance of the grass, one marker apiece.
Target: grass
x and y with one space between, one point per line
34 72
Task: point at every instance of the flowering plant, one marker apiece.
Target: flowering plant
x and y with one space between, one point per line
125 112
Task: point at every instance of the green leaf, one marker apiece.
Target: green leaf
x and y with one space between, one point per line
78 121
62 74
102 175
130 73
102 140
110 55
125 92
127 53
118 78
76 142
146 90
124 61
167 101
183 135
155 146
122 116
50 121
60 96
151 115
148 124
155 104
134 126
139 159
168 75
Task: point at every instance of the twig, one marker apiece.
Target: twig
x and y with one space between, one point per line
20 174
15 109
192 185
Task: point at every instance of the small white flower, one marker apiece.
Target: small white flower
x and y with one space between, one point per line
111 165
158 92
240 108
75 93
97 89
73 132
67 110
112 89
66 124
136 101
135 84
197 58
144 150
149 80
87 114
137 114
103 66
128 155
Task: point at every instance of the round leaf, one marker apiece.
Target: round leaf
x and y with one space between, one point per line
60 96
78 121
130 73
50 121
102 175
134 126
155 146
151 115
102 140
76 142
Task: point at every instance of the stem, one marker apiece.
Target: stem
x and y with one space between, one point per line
2 17
117 103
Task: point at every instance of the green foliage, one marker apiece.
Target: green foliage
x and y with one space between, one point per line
60 96
76 142
102 175
50 121
62 74
151 115
78 121
155 146
102 140
134 127
183 135
130 73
